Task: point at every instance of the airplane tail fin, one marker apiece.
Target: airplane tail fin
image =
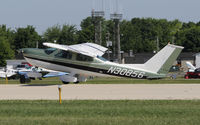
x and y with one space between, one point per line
190 66
164 59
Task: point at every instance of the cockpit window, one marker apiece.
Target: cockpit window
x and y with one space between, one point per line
64 54
101 58
49 50
81 57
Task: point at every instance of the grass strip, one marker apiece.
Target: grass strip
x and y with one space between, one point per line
112 81
124 112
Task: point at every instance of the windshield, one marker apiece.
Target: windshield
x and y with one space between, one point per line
101 58
49 50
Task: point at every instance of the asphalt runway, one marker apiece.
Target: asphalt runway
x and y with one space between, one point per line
102 92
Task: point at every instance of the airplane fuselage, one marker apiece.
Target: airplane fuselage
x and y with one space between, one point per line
74 63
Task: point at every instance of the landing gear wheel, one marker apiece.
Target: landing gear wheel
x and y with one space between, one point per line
65 82
22 79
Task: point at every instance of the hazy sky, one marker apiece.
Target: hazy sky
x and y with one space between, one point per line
46 13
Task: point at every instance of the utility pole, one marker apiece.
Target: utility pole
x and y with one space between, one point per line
37 44
157 44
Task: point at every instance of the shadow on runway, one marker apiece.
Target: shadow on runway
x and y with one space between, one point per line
39 84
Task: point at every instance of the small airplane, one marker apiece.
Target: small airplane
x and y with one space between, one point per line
84 60
26 73
191 68
193 72
21 71
37 72
7 72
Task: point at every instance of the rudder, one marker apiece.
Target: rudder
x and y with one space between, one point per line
164 59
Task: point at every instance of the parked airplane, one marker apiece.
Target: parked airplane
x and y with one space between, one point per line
193 72
37 72
26 72
7 72
83 60
191 68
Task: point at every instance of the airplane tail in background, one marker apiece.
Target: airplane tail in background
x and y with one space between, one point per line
190 66
164 59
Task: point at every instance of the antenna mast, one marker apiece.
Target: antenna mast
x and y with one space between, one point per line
117 17
97 16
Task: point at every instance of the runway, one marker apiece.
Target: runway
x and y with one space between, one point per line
102 92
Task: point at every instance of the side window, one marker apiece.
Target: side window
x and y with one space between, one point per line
81 57
49 50
64 54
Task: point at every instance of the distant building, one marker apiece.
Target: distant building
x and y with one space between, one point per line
14 63
197 60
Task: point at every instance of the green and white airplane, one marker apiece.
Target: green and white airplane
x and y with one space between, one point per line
83 60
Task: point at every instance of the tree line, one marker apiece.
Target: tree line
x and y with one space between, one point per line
137 34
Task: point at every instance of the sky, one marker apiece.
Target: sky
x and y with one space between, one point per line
46 13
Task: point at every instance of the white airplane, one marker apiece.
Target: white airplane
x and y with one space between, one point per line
83 60
191 68
7 72
28 73
37 72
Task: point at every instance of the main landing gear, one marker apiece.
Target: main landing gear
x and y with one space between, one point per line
68 82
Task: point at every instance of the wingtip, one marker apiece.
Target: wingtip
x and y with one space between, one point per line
47 44
44 43
172 45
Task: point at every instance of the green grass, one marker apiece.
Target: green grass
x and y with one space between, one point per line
100 112
141 81
112 81
54 80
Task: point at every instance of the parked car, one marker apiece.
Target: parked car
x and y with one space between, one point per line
195 74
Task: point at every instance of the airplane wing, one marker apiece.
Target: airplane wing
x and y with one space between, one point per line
55 74
31 74
89 49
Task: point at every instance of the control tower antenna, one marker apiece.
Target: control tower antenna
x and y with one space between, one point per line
117 6
117 17
97 16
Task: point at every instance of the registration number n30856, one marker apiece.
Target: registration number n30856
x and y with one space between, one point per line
126 72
